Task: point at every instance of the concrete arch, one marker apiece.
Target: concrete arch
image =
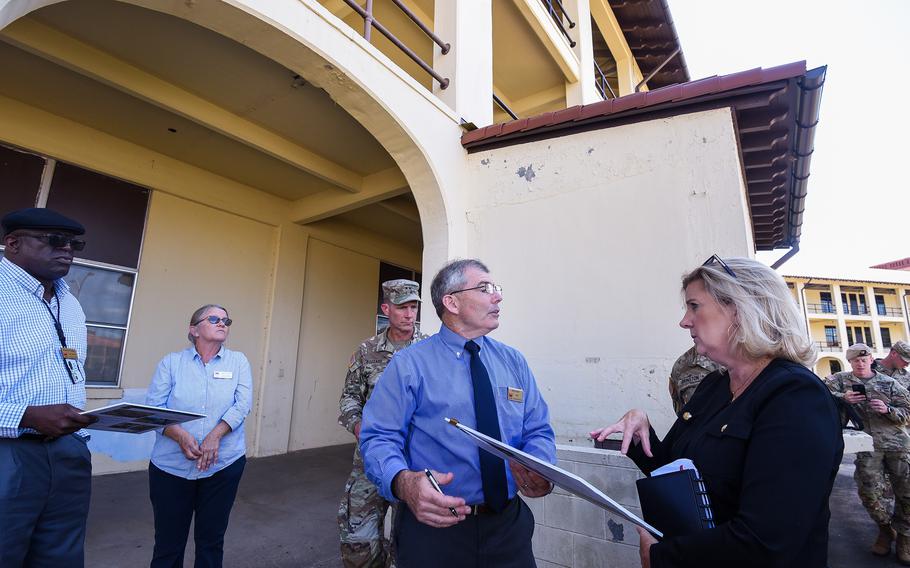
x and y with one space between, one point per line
419 131
823 365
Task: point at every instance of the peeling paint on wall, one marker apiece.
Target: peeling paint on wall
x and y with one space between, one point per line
526 172
616 530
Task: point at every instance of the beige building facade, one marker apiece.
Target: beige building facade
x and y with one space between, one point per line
839 312
264 155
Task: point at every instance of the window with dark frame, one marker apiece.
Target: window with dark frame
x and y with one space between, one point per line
880 305
831 336
102 276
835 366
827 303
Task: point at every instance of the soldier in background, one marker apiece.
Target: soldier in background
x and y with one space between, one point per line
884 406
895 364
687 373
362 511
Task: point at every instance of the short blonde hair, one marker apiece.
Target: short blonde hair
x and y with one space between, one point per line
768 323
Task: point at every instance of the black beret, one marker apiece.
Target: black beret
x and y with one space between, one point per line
39 218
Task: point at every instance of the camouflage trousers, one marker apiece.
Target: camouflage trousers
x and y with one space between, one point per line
873 484
361 522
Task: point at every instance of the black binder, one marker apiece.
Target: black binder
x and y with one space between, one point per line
675 503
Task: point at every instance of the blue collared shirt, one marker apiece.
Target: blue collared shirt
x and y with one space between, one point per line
403 426
183 382
32 371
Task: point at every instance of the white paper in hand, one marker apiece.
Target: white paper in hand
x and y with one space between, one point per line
558 476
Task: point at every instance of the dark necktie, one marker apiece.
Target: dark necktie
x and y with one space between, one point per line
492 468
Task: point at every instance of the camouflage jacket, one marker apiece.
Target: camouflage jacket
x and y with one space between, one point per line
367 363
687 373
900 375
888 430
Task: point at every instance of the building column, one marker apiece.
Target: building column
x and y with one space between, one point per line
627 69
583 91
801 303
468 28
876 323
841 322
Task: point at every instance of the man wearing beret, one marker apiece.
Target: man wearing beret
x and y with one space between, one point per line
45 464
884 406
362 511
895 364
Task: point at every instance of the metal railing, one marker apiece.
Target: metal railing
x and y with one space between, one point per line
369 22
828 345
557 13
603 86
499 102
890 312
856 311
821 308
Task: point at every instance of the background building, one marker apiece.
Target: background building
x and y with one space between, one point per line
840 312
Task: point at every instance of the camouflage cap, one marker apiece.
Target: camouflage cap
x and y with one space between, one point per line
903 349
858 350
400 291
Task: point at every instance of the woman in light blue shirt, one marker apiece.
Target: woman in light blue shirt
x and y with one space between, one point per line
196 467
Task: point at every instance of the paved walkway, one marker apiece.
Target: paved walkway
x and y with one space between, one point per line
285 516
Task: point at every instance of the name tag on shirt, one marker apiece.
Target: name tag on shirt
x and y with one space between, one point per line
69 353
515 394
223 374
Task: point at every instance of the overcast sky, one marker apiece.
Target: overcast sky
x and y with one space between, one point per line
859 195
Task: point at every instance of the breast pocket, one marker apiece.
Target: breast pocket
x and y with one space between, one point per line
511 411
723 451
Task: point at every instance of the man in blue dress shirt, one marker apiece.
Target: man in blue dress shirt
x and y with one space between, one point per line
478 521
45 465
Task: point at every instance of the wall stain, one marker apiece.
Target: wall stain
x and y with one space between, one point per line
590 151
485 161
526 172
616 529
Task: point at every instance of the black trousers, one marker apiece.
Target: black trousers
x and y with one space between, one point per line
44 498
175 500
480 541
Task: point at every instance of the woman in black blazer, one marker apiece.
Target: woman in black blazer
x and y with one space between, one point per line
765 434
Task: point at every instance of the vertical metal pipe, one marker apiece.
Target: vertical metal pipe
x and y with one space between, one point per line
368 21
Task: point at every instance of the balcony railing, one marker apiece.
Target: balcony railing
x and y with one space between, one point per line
821 308
828 345
890 312
856 311
370 22
603 86
560 17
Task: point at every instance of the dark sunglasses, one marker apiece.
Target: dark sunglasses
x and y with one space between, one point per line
714 258
215 319
57 240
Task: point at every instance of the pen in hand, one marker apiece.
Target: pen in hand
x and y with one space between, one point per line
437 488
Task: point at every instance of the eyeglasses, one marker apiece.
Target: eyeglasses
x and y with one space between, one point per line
215 319
714 258
57 240
486 288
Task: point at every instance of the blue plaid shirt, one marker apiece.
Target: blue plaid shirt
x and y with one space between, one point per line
183 382
32 371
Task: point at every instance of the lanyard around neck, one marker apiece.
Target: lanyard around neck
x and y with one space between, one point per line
60 335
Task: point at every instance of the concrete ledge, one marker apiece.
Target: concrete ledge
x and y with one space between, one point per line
571 532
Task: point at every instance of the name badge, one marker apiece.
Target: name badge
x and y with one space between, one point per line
516 395
69 353
224 374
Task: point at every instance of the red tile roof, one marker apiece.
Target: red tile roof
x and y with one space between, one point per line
637 101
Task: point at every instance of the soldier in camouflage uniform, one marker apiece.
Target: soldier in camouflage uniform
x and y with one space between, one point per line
885 411
362 511
895 364
687 373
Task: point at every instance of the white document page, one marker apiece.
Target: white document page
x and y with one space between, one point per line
568 481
